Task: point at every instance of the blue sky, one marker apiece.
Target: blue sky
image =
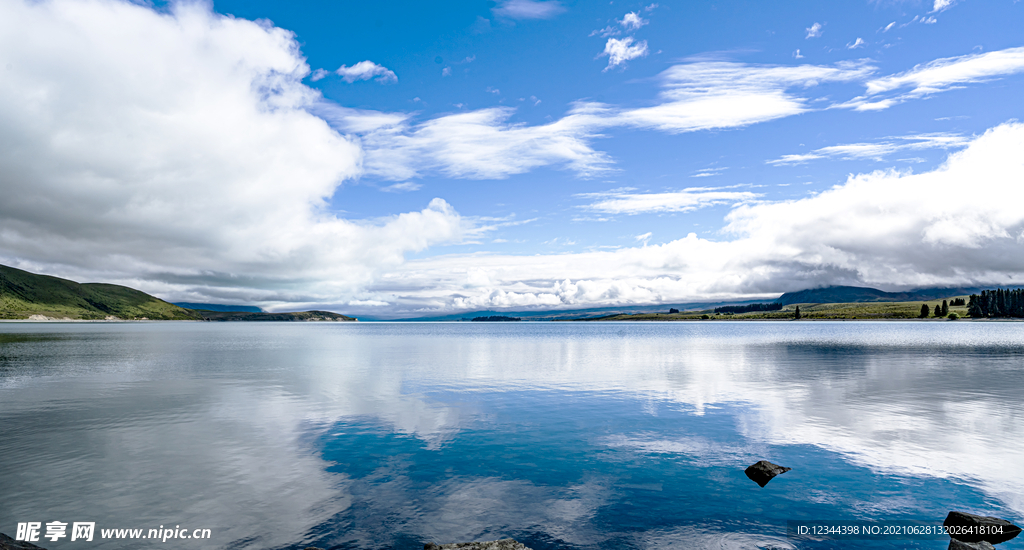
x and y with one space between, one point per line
407 158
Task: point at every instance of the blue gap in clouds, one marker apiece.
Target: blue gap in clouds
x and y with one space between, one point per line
545 445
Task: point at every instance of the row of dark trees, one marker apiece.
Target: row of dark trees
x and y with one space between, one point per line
940 311
997 303
774 306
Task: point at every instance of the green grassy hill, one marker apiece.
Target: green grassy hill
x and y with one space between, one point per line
23 294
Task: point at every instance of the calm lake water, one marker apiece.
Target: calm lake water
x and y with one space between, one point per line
562 435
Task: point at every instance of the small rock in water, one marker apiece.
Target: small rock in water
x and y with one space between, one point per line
971 528
503 544
961 545
764 471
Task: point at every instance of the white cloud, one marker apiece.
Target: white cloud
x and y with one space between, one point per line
942 5
855 44
878 150
319 74
707 172
942 74
402 187
814 31
939 76
632 21
528 9
481 145
704 95
622 50
176 152
887 27
365 70
356 120
885 229
686 200
796 54
447 71
371 303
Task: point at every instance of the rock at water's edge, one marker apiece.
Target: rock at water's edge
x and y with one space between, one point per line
503 544
7 543
961 545
763 472
1004 530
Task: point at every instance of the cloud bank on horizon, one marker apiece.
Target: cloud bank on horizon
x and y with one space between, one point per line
199 156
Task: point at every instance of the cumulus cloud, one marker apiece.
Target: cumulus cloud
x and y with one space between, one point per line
878 150
176 152
814 31
181 153
365 70
632 21
621 50
624 202
886 229
942 5
528 9
939 76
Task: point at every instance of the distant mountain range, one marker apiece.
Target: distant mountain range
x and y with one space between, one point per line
217 307
24 295
314 315
560 314
827 295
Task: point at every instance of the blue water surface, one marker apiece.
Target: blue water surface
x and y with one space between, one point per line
561 435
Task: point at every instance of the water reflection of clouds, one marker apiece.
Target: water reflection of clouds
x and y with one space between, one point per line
907 399
208 455
469 508
701 451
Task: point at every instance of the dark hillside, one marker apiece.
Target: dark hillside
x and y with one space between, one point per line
851 294
314 315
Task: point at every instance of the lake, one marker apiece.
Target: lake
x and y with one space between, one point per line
561 435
